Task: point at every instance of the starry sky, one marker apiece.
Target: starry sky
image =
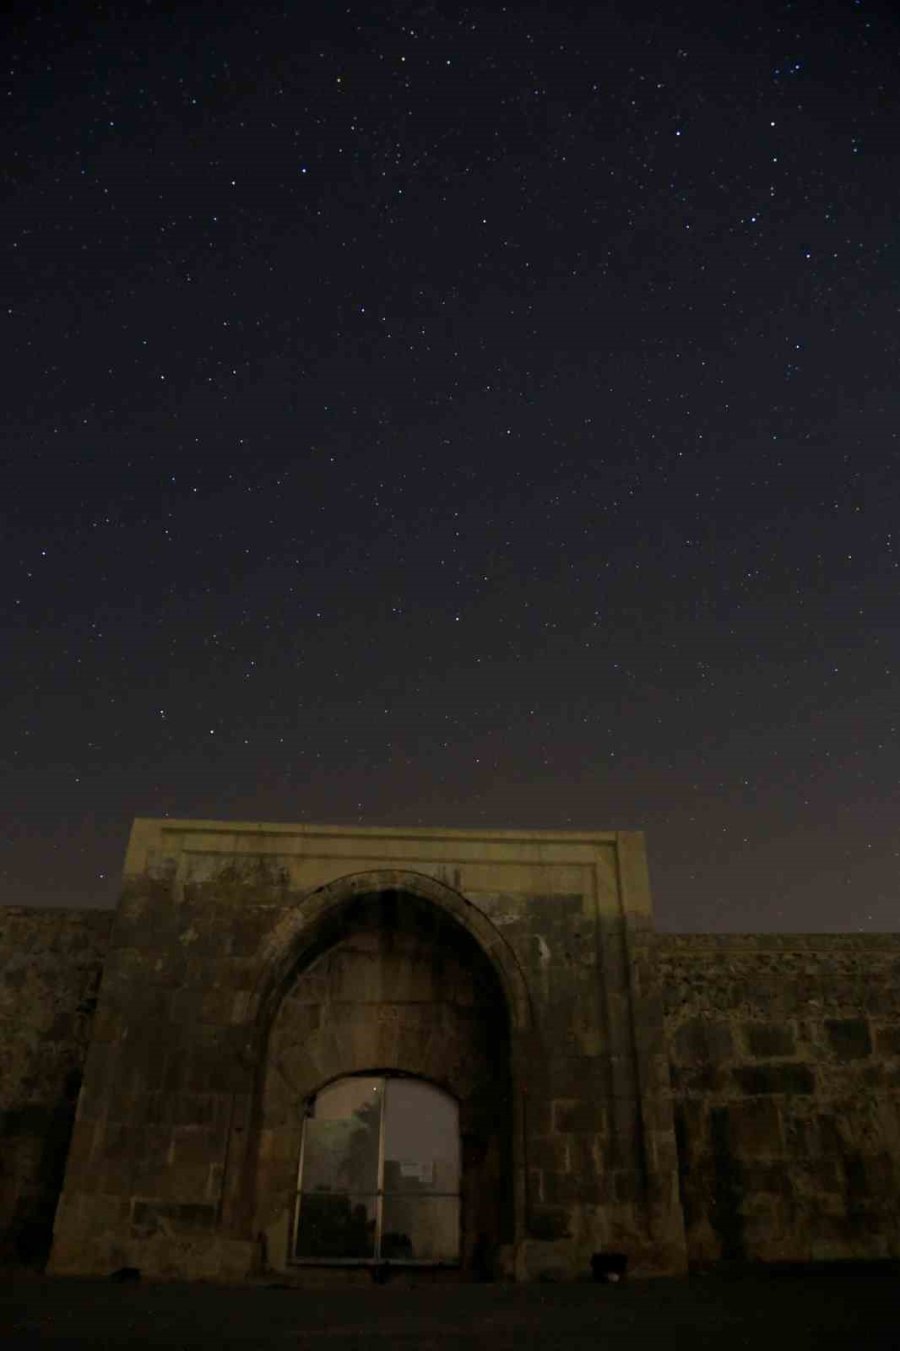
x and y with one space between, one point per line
432 414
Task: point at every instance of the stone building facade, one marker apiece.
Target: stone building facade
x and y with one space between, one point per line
298 1051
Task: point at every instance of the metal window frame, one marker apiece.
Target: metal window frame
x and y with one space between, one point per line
379 1194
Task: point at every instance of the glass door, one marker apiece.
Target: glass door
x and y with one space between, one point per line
379 1174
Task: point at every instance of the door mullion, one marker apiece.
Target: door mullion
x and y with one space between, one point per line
379 1198
298 1200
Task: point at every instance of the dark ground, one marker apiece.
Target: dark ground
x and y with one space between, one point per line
758 1309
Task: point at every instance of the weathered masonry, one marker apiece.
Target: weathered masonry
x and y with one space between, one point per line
307 1050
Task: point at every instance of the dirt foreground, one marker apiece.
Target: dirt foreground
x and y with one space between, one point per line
767 1309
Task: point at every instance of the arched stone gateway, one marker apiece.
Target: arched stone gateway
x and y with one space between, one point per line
382 974
260 978
312 923
344 1043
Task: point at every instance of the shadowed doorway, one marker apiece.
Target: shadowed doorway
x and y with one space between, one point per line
386 1109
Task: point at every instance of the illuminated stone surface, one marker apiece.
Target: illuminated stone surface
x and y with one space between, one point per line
247 966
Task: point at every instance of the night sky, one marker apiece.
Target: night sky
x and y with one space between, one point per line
424 414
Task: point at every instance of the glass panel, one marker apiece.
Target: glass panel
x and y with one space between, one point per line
421 1139
421 1228
336 1224
338 1204
340 1139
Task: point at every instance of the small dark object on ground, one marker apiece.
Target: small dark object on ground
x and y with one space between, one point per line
609 1267
126 1274
381 1272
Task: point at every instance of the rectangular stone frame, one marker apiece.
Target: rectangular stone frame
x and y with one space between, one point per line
164 1109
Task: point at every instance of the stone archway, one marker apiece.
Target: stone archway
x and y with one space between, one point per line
299 930
464 1034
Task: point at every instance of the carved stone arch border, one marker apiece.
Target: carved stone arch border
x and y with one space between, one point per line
297 936
285 945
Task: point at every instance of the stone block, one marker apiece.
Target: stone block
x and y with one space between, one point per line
248 929
542 1260
778 1078
826 1139
151 1172
539 1115
118 1140
112 1176
703 1041
585 1155
108 1024
566 1189
765 1177
280 1146
548 1222
550 1152
213 1065
193 1145
701 1081
171 1217
197 1109
535 1185
627 1186
881 1175
188 1182
177 1076
158 1107
571 1116
554 912
887 1041
691 1130
147 1058
755 1128
818 1175
575 1076
849 1038
765 1040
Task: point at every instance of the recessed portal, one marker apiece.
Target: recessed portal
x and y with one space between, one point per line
379 1176
387 1084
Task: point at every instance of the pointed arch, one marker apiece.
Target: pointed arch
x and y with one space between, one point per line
310 926
309 929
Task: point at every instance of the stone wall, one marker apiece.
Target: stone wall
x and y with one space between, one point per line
50 967
785 1071
183 1150
240 973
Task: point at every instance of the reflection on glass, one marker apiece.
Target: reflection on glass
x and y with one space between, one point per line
391 1196
420 1228
340 1149
335 1224
421 1139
